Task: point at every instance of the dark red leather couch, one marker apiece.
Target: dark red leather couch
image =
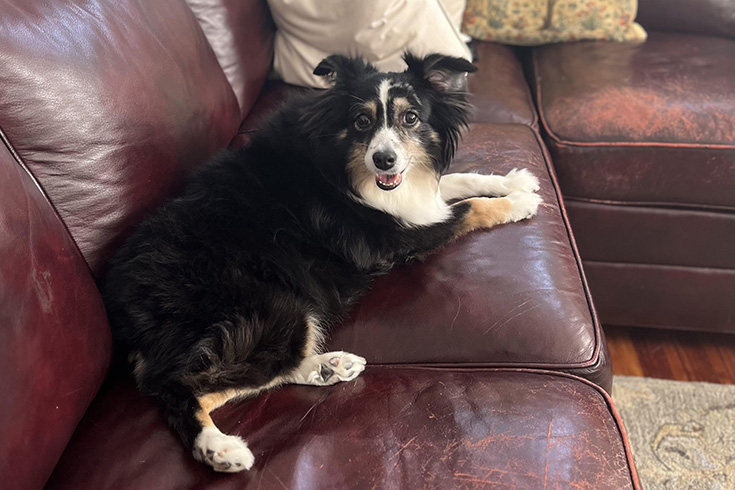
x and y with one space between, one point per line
488 367
643 142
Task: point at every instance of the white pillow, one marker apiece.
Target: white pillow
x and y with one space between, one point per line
378 30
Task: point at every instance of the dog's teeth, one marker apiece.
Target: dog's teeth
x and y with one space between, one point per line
389 181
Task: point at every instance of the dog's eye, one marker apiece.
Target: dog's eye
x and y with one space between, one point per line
362 122
410 118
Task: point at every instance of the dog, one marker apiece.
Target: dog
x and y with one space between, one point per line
229 288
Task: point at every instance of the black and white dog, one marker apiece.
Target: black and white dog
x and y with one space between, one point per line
228 289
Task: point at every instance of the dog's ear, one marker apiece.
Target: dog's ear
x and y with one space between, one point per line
343 69
445 74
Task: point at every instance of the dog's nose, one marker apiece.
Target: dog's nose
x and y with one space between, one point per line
384 160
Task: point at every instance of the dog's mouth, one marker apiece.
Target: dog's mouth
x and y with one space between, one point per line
388 182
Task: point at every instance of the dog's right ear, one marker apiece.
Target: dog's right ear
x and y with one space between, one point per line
339 69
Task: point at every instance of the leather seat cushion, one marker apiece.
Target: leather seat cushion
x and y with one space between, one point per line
651 123
391 428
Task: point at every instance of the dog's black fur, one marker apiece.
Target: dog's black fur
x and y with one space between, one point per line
212 291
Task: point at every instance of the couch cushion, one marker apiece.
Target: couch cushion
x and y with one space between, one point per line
388 429
110 104
708 17
642 123
241 33
54 339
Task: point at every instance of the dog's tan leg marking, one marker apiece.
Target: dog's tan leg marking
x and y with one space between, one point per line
484 212
222 452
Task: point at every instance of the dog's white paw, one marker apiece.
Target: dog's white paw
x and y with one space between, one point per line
521 180
222 452
333 367
523 205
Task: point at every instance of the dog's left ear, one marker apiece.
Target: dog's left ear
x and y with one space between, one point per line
343 69
444 73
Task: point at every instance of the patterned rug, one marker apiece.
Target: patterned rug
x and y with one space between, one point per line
682 433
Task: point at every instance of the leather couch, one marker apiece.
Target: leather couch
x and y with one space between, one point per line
487 364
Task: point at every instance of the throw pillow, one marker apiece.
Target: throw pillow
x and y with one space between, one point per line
534 22
378 30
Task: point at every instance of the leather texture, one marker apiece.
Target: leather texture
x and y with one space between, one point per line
640 123
608 232
391 428
54 340
513 295
110 104
663 296
499 92
708 17
672 89
233 28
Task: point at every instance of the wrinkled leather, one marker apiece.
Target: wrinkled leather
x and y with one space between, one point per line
641 123
54 339
664 296
499 92
652 235
233 28
110 104
389 429
708 17
512 295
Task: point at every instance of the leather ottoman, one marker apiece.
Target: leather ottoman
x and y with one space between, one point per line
643 142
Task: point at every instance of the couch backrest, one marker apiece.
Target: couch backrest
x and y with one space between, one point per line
708 17
111 104
105 106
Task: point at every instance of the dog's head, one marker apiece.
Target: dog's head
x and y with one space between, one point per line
383 130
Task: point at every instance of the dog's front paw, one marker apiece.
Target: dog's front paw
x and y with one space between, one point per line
523 205
521 180
224 453
334 367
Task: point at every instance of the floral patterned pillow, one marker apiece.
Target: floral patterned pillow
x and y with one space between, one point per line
534 22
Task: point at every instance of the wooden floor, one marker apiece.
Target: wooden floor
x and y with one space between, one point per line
668 354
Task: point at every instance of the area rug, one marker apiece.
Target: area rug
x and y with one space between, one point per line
682 433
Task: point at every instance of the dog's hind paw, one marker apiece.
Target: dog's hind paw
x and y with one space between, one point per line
222 452
330 368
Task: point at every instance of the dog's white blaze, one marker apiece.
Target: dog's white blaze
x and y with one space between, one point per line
383 96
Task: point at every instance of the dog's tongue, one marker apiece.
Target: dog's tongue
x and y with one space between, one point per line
390 180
